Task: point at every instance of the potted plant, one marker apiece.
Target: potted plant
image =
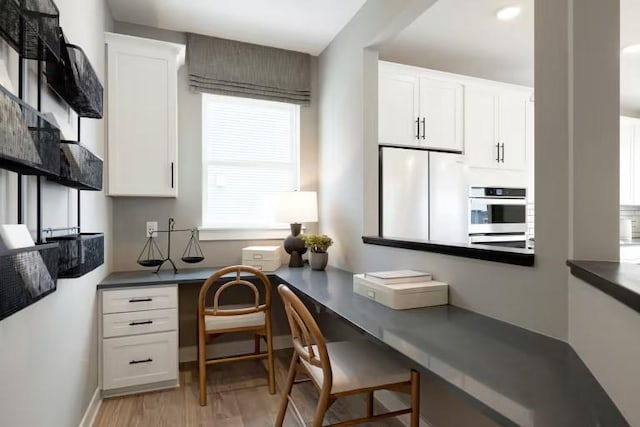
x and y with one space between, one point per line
317 245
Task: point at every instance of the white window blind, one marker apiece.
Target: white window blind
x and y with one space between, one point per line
250 149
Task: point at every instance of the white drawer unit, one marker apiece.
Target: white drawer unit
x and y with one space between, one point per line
139 322
138 299
139 339
141 359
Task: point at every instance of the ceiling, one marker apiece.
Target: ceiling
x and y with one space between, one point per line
300 25
464 37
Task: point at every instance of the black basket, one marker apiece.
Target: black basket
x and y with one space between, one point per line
79 167
25 23
27 275
79 253
75 80
29 143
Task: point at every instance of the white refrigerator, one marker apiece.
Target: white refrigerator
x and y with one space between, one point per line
423 195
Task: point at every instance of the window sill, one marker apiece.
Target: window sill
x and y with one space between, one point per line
211 234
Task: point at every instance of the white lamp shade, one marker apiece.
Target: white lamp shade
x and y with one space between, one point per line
295 207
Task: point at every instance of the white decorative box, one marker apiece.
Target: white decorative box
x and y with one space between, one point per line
402 296
265 258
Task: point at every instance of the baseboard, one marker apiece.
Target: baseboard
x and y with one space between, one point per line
92 410
391 402
224 349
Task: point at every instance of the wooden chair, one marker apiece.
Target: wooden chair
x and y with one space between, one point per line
343 368
216 320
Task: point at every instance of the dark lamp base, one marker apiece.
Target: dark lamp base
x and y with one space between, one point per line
294 246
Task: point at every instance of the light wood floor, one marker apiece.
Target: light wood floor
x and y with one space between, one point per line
237 397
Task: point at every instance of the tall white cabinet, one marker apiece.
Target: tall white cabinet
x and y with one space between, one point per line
419 108
142 129
629 161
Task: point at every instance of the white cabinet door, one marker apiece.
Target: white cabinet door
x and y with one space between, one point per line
512 131
398 108
481 128
627 188
441 114
495 128
142 147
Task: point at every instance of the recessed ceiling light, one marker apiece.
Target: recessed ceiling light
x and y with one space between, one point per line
508 13
633 48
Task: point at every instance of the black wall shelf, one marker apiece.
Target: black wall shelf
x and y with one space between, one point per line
30 27
75 80
79 167
30 143
79 253
27 275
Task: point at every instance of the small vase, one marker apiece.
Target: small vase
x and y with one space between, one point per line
318 261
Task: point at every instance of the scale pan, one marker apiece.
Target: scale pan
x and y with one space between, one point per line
192 259
150 262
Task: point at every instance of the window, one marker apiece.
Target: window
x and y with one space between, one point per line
250 149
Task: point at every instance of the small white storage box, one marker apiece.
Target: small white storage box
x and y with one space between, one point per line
265 258
403 296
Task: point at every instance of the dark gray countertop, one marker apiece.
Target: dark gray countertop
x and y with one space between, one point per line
617 279
516 376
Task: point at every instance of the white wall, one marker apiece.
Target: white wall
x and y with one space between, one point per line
604 333
131 214
535 298
48 351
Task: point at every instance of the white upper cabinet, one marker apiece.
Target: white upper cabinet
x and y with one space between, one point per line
416 109
441 114
142 147
629 161
626 161
398 108
496 128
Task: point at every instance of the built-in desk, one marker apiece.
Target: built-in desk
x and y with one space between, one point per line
515 376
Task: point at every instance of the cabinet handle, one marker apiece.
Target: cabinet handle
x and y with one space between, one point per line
171 174
502 160
135 362
141 300
418 128
146 322
424 128
498 153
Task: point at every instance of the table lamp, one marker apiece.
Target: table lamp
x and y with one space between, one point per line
296 207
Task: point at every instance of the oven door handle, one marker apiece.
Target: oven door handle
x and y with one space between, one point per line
484 202
498 238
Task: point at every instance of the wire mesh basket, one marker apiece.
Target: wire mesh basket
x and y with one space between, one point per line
79 167
75 80
26 276
29 143
79 253
30 27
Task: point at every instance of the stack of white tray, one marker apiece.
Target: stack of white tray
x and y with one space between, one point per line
401 289
265 258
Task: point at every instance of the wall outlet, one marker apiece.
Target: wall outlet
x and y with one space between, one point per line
152 229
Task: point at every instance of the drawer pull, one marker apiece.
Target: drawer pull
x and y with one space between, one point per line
146 322
141 300
135 362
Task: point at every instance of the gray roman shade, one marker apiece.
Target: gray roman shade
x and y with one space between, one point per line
228 67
